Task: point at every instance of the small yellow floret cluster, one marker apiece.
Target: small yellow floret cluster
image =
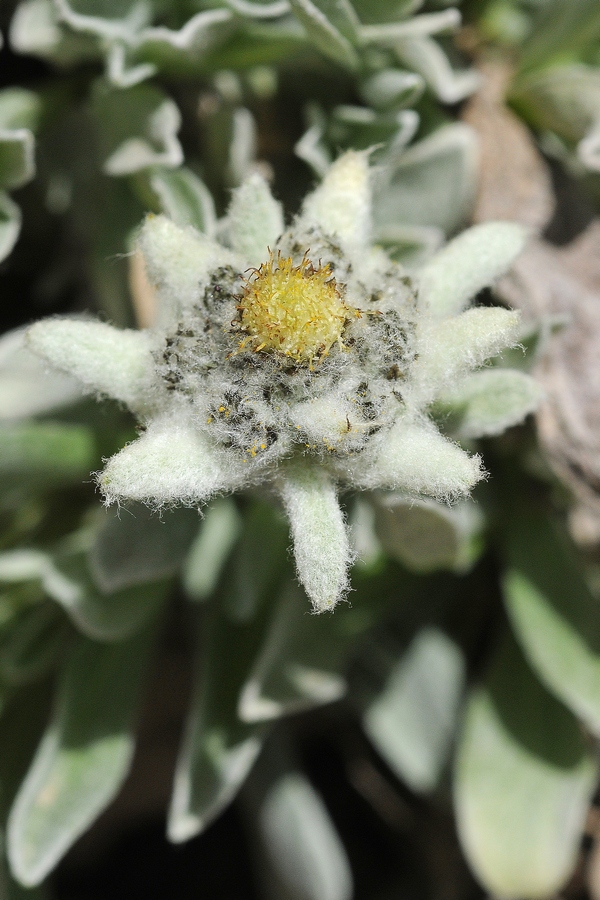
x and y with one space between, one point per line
295 310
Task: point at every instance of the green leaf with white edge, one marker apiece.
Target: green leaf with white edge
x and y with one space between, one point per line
106 360
427 536
255 219
394 33
19 113
135 545
10 224
104 616
554 615
185 198
432 184
524 779
84 755
216 537
119 19
138 129
321 30
448 349
35 31
218 748
32 645
66 579
321 546
469 263
487 403
412 720
49 452
392 88
300 664
425 56
306 856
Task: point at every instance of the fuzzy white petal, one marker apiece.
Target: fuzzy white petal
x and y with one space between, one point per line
104 359
417 460
469 263
255 219
321 545
170 463
449 348
179 262
341 205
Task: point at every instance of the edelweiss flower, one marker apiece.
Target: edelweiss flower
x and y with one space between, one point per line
305 358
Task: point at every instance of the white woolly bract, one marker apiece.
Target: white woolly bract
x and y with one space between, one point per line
449 348
106 360
321 546
341 205
470 262
254 220
417 460
179 261
170 463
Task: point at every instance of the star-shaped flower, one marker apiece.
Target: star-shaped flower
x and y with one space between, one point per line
304 358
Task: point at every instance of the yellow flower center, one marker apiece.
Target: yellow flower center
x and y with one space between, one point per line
295 310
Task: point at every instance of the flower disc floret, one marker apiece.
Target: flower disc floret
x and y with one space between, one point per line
294 310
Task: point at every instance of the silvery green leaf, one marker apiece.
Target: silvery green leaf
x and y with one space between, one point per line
135 545
27 387
306 856
66 579
184 198
427 536
425 56
487 403
103 615
138 128
565 100
432 184
32 644
258 559
161 48
50 452
324 29
83 757
35 29
10 224
390 33
121 19
19 112
412 720
523 782
218 750
218 532
259 10
243 145
555 617
299 666
412 245
392 88
312 147
362 129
